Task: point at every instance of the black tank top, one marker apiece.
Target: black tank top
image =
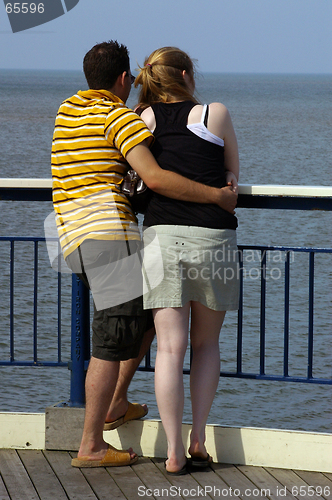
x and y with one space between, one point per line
178 149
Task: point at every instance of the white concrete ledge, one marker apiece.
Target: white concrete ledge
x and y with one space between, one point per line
22 431
234 445
255 190
25 183
280 190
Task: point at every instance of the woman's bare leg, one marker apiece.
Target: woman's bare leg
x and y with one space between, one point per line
205 369
172 339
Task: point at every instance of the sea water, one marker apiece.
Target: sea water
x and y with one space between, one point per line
283 125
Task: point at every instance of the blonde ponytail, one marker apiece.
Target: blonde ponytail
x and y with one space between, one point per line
161 77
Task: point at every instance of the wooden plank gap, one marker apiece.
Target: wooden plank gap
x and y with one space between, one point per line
4 495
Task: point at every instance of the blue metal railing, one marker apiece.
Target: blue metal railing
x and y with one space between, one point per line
80 321
285 376
80 340
35 361
80 309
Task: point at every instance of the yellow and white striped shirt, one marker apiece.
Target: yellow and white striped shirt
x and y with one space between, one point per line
94 131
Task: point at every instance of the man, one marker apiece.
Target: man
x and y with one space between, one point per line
95 138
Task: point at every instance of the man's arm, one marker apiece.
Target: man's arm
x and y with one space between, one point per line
174 185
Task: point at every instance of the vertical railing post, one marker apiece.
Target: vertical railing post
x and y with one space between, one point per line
262 312
80 340
35 303
59 306
311 313
11 300
240 318
286 314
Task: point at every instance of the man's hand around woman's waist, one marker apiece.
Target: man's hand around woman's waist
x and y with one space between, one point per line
227 198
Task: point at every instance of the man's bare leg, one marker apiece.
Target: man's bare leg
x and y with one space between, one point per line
100 384
119 404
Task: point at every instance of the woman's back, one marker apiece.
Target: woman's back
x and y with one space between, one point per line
179 149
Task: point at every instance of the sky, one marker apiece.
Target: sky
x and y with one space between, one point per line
232 36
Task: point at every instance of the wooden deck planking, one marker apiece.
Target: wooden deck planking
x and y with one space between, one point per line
127 480
71 478
236 480
176 484
318 480
102 484
265 481
48 475
3 491
15 477
153 478
293 483
42 475
212 484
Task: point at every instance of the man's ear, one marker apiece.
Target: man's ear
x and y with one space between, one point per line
119 84
122 78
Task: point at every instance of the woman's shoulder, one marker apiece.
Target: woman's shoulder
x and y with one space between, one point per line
218 119
148 117
218 108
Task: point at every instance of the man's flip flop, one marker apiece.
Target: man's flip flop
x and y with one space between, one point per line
200 462
134 412
113 458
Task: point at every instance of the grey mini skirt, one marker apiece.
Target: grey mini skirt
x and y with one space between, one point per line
189 263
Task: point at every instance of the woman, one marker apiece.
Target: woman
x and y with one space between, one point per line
197 242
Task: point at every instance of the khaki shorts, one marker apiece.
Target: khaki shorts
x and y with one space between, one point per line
198 264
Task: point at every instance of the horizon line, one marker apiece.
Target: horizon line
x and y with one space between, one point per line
198 72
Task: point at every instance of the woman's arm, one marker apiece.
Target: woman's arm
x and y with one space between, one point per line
220 124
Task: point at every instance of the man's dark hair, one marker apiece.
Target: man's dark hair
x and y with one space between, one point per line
104 63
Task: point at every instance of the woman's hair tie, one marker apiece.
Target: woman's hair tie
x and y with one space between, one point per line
148 64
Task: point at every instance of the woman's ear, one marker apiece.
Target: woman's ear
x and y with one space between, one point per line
189 80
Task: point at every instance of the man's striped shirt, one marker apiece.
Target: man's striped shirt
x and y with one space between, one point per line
94 131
